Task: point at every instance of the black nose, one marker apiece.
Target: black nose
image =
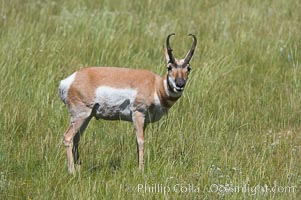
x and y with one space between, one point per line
180 82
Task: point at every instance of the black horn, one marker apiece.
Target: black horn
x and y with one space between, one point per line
191 51
169 50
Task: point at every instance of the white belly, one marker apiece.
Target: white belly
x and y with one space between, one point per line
114 104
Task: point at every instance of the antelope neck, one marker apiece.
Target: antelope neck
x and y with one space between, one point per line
166 94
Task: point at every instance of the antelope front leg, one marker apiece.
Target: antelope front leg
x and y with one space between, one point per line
138 120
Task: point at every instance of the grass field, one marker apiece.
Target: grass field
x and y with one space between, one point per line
235 133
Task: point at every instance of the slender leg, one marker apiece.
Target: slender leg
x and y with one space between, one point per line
71 140
75 148
77 138
138 120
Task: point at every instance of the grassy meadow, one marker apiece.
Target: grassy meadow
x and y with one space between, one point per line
235 133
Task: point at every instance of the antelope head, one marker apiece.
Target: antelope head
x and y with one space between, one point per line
178 70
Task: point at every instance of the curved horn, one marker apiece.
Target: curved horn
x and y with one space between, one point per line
169 50
191 51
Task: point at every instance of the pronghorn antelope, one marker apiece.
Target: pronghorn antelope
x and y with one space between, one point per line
111 93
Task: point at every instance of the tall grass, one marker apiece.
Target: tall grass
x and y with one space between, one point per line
237 124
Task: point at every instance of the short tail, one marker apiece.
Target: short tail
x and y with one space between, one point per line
63 93
64 87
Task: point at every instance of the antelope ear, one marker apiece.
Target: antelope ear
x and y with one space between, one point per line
186 56
166 56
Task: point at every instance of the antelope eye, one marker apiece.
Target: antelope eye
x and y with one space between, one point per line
188 68
169 68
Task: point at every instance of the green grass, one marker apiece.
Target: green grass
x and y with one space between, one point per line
238 122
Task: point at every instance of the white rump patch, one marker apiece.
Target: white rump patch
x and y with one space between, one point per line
64 87
114 103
